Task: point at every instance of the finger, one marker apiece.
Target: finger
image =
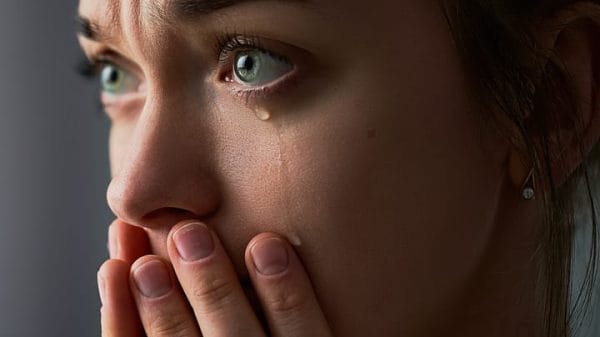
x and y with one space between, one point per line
210 283
284 289
127 242
162 308
119 316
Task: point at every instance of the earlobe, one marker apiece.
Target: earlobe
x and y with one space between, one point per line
575 126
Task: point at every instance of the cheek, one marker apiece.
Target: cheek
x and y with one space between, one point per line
249 159
117 142
383 181
124 118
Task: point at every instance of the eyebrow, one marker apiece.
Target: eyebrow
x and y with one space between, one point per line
188 8
175 9
86 28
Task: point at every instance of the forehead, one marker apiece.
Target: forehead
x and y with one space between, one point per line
111 12
109 17
140 26
116 22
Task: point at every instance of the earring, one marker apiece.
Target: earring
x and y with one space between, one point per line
528 188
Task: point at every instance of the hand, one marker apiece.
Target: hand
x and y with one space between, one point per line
199 294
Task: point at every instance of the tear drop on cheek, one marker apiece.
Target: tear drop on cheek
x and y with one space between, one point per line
262 114
294 240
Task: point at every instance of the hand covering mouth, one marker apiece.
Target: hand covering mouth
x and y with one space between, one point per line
254 302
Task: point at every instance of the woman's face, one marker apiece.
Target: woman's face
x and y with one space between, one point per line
345 126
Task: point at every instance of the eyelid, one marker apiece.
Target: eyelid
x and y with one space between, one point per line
269 90
109 56
114 105
230 45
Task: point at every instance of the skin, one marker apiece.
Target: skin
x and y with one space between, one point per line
400 211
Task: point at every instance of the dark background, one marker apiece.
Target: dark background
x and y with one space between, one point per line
53 177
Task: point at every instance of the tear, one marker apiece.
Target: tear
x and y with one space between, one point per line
262 114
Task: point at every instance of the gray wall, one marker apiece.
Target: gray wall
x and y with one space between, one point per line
53 176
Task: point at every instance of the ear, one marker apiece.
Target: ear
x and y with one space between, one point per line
573 37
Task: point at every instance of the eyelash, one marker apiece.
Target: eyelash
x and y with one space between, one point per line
224 49
228 43
91 68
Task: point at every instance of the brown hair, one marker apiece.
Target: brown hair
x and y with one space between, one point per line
515 78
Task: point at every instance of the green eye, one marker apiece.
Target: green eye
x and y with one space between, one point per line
257 67
116 81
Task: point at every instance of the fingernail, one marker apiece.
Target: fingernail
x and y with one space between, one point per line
113 247
270 256
194 242
152 279
101 288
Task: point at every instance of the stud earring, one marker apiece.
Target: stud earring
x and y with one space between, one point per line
528 188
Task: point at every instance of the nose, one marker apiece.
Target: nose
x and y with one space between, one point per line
164 175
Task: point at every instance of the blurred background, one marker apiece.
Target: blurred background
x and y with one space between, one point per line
53 177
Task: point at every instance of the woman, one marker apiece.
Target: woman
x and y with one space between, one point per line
343 168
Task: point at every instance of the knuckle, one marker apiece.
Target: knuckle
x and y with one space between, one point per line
287 302
214 293
170 325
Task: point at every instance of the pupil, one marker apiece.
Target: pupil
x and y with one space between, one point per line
246 63
246 67
113 77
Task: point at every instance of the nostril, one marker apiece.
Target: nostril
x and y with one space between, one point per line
161 194
152 207
167 217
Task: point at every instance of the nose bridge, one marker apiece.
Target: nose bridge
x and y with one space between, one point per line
165 167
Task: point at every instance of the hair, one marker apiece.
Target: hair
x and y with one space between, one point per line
514 77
